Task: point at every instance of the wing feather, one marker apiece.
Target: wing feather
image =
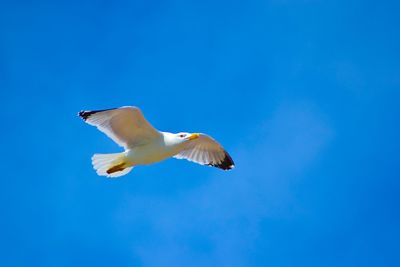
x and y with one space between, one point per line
126 125
206 151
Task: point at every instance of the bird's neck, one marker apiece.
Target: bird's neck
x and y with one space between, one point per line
170 140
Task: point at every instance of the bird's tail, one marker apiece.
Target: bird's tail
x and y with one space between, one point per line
110 165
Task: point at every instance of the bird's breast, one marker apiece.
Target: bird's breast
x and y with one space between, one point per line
151 153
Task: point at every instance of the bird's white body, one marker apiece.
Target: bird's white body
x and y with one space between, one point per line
145 145
166 146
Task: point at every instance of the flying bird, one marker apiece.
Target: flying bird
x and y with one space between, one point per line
145 145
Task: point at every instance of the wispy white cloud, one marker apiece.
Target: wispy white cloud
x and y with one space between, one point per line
219 223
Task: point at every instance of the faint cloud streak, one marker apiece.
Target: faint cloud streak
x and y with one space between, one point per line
219 223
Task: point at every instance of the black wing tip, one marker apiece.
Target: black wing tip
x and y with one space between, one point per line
226 165
85 114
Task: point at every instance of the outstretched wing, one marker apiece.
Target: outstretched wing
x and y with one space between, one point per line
206 151
126 125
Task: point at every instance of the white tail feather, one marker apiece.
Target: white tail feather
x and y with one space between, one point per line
102 163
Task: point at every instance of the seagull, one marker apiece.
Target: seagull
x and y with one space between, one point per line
145 145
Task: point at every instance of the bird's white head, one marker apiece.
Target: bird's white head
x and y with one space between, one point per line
179 138
183 137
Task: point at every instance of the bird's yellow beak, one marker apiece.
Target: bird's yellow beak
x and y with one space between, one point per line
193 136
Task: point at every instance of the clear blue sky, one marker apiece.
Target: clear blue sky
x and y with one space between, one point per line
303 94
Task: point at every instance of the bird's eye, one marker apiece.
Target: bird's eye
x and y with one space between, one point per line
182 135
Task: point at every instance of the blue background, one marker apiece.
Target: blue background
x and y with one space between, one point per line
303 94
